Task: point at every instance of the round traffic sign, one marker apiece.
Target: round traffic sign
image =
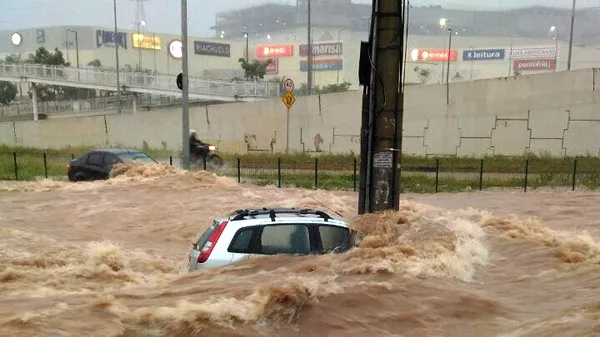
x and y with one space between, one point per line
288 85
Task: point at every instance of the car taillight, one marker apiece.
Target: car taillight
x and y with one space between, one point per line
211 242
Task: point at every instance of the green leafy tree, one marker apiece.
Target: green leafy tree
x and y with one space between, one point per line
8 92
423 74
43 56
14 59
254 70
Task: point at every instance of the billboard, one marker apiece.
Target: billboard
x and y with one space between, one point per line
529 53
212 48
534 64
146 41
322 49
483 55
323 65
279 50
273 67
107 38
433 54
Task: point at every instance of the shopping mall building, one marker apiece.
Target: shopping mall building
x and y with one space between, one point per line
483 44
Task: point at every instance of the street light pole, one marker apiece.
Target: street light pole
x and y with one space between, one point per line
571 36
76 48
185 116
339 46
117 58
444 24
556 54
407 7
67 43
139 47
448 66
554 30
309 78
246 56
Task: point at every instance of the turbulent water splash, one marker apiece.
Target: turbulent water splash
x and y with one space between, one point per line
108 259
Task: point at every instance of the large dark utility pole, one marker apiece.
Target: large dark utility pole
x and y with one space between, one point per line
309 73
383 107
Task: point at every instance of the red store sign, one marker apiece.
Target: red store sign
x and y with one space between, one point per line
273 67
433 55
536 64
275 50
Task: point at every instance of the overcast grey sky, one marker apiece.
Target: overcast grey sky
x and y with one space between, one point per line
164 15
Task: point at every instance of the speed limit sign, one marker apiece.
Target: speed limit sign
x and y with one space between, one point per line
288 85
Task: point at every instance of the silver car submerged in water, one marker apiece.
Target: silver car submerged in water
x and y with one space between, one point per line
268 231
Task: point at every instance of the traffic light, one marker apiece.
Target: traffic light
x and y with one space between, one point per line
180 81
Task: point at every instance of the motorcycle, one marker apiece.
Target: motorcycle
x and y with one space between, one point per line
206 154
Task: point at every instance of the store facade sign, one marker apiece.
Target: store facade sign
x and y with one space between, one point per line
280 50
108 38
530 53
323 65
176 49
142 41
534 64
418 54
322 49
212 49
483 55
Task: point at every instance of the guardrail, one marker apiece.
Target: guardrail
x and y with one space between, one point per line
138 82
25 107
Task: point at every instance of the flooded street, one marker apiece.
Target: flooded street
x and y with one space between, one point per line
109 259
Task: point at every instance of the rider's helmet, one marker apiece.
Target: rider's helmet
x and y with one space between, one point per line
193 133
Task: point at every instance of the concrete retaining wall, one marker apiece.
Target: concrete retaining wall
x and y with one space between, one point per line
556 113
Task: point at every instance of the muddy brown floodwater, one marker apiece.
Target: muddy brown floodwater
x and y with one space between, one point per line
108 259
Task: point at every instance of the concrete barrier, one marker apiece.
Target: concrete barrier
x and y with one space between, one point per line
554 113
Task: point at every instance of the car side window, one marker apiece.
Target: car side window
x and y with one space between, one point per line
241 241
95 158
334 238
285 239
110 159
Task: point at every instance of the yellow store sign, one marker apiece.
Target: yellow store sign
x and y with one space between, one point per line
146 41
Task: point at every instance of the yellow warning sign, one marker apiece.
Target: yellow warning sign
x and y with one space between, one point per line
288 99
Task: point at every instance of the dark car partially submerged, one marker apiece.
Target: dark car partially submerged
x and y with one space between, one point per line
97 164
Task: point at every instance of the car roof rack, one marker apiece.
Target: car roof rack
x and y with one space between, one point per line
272 212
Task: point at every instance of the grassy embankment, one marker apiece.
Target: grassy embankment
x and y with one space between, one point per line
337 171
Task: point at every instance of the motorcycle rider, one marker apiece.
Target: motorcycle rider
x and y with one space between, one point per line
196 145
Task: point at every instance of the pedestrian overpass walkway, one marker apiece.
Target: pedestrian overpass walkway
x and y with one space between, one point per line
101 79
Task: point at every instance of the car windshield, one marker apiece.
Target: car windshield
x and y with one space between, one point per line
136 157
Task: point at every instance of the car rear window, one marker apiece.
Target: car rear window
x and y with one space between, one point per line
334 238
204 237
